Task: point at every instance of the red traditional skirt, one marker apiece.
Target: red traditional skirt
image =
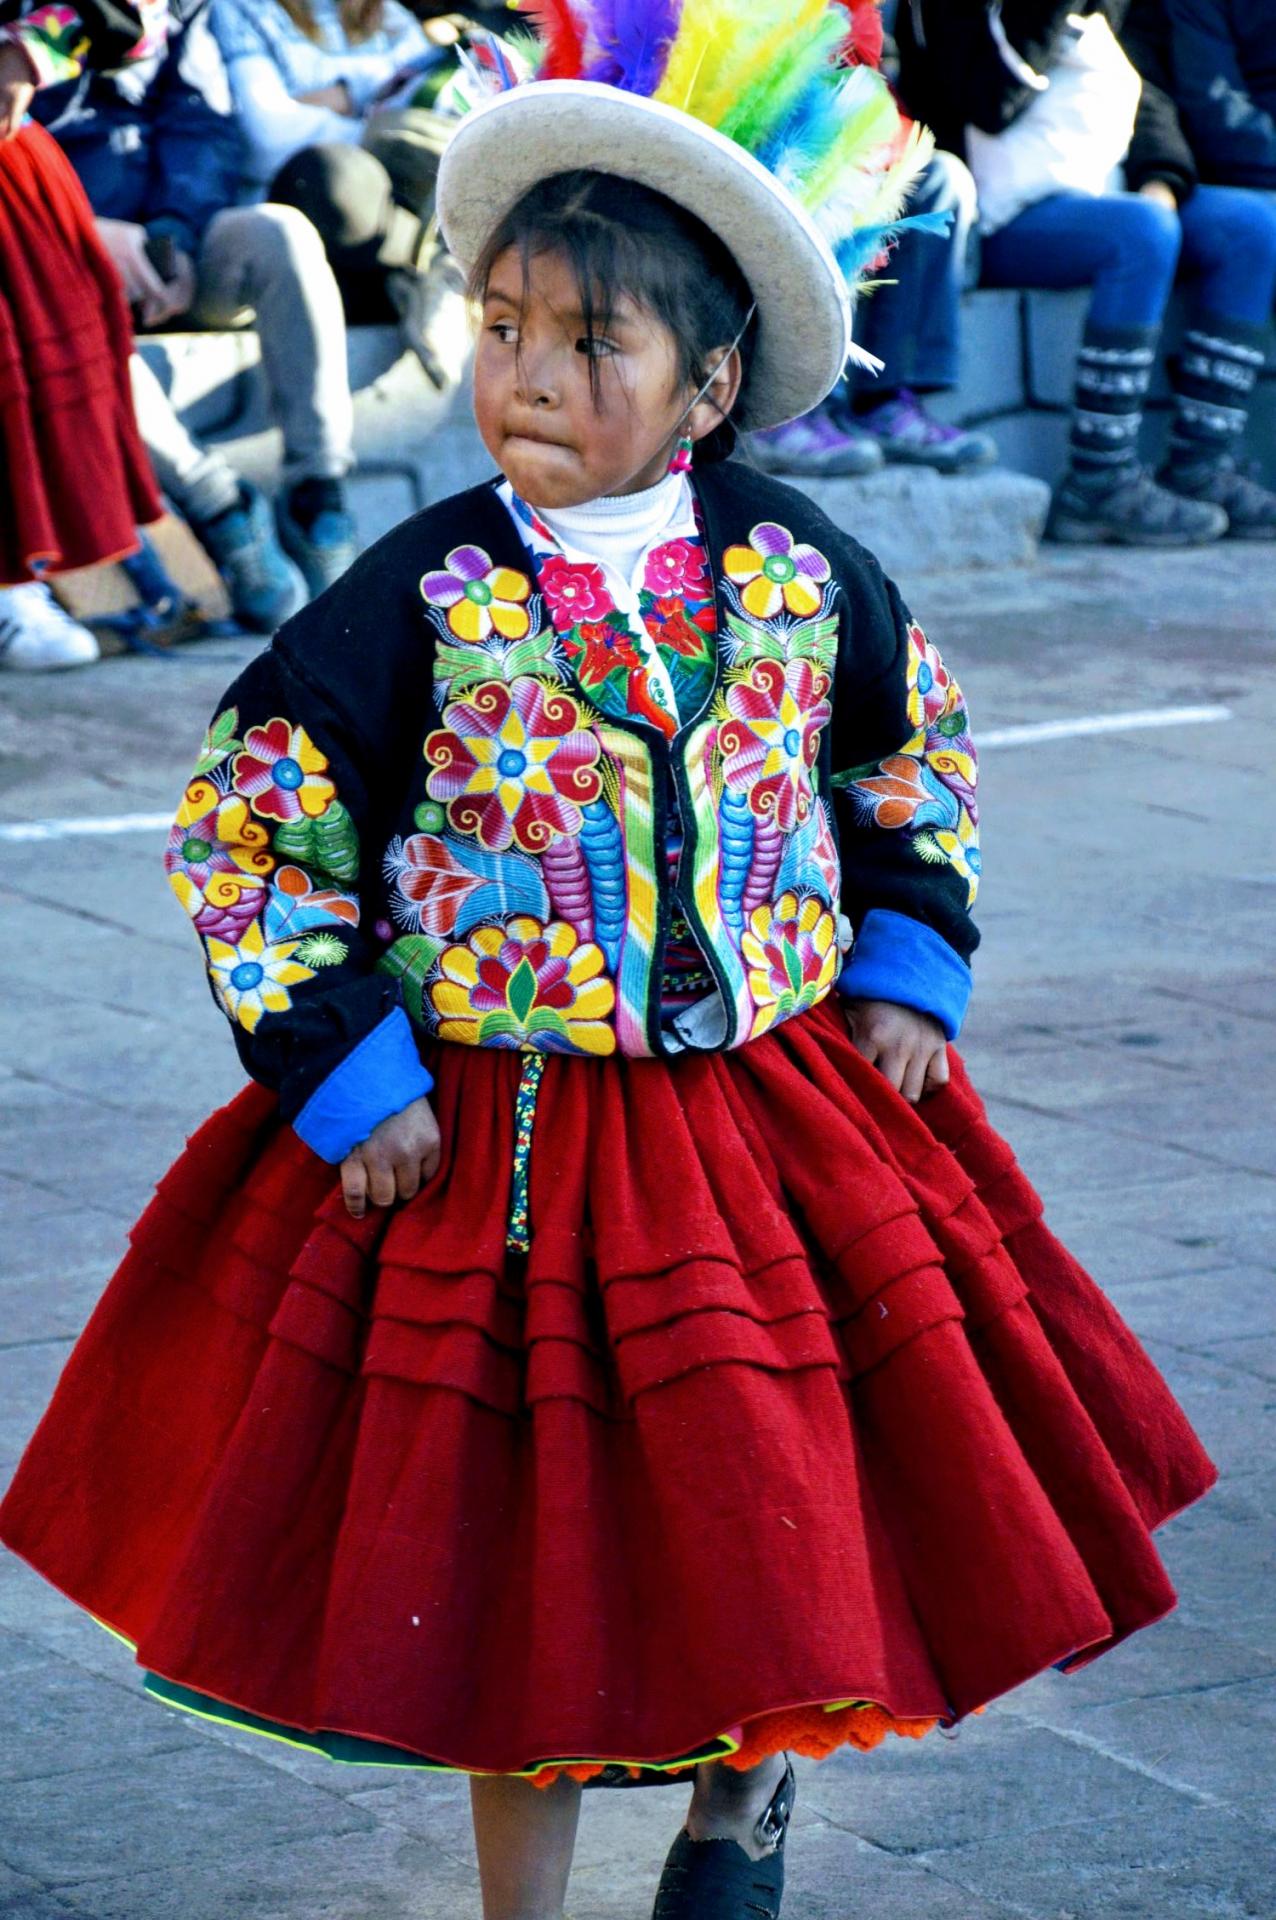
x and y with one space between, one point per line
75 482
794 1426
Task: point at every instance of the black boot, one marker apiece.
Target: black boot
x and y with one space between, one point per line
1213 378
1106 496
716 1879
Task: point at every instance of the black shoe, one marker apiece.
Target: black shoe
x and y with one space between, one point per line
1250 508
716 1879
1134 512
317 530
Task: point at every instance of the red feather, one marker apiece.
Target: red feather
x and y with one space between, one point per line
863 44
560 30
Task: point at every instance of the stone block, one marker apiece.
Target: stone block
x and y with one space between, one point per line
59 1720
1198 1864
917 521
997 1777
190 1813
1052 324
992 368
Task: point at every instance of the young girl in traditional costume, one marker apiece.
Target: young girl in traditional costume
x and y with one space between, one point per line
609 1341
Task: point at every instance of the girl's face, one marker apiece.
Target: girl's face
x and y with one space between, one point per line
559 441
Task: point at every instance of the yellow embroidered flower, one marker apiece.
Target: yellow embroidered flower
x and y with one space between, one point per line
775 572
253 978
528 985
960 847
790 949
479 597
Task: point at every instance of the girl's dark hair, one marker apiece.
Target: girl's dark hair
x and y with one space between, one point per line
625 239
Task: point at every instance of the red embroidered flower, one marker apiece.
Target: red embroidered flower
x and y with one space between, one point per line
574 591
514 764
281 773
772 739
677 567
597 648
669 626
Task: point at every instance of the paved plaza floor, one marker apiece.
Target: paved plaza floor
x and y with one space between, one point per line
1124 1033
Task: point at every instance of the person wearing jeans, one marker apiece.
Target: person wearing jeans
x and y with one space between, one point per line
1049 99
161 160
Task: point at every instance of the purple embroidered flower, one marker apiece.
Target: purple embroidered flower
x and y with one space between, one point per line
478 596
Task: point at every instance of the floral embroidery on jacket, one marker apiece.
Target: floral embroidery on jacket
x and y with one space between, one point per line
526 984
790 949
266 926
514 764
478 598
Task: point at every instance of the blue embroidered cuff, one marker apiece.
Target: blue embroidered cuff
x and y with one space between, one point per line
382 1076
896 958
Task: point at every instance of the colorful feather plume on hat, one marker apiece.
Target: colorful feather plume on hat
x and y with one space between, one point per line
787 80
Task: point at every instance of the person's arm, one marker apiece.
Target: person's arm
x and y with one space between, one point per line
1232 135
271 848
904 779
1159 149
195 152
364 75
272 124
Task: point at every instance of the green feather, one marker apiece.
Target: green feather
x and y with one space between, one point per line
772 97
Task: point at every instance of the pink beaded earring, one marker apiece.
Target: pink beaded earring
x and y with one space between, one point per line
681 461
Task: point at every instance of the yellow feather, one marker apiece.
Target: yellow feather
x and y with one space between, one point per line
704 32
770 39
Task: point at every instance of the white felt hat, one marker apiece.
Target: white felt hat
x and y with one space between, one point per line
517 139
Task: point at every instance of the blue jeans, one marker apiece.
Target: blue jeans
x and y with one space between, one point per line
913 322
1130 251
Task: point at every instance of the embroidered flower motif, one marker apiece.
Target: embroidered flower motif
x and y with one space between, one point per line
440 883
928 681
790 949
772 739
596 648
478 597
574 590
253 978
905 793
514 764
950 751
281 773
776 572
959 846
677 568
526 985
689 634
217 860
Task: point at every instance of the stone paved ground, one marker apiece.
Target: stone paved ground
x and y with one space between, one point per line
1125 1033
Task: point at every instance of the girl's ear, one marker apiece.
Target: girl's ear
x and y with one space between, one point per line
721 393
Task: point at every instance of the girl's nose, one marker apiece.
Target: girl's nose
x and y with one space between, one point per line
536 384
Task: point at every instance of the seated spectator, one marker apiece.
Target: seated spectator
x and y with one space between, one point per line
911 322
1223 59
1049 107
160 159
311 81
74 479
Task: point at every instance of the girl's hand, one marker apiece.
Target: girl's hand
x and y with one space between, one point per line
394 1160
17 89
908 1047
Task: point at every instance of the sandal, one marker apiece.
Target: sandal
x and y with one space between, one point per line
716 1879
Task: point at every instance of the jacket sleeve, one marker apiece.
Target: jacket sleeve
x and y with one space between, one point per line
1232 135
904 776
269 857
196 147
1159 149
60 41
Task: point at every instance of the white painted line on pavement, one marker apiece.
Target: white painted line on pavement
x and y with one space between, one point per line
16 830
1100 723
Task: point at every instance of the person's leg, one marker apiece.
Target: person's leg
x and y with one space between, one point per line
525 1837
228 516
728 1860
1125 249
1229 262
912 322
269 261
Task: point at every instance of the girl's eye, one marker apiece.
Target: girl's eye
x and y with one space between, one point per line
505 331
596 348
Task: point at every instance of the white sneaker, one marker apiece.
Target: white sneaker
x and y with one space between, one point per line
37 635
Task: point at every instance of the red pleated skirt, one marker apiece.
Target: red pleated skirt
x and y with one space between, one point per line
75 482
795 1402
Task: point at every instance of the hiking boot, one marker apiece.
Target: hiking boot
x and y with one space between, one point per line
1250 508
910 436
265 588
1133 512
316 529
817 446
37 635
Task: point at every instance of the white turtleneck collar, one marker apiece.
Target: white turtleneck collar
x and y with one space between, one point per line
618 531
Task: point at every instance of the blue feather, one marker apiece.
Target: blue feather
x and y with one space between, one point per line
634 37
604 853
736 856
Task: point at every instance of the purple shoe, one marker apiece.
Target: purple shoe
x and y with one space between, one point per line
817 446
910 436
